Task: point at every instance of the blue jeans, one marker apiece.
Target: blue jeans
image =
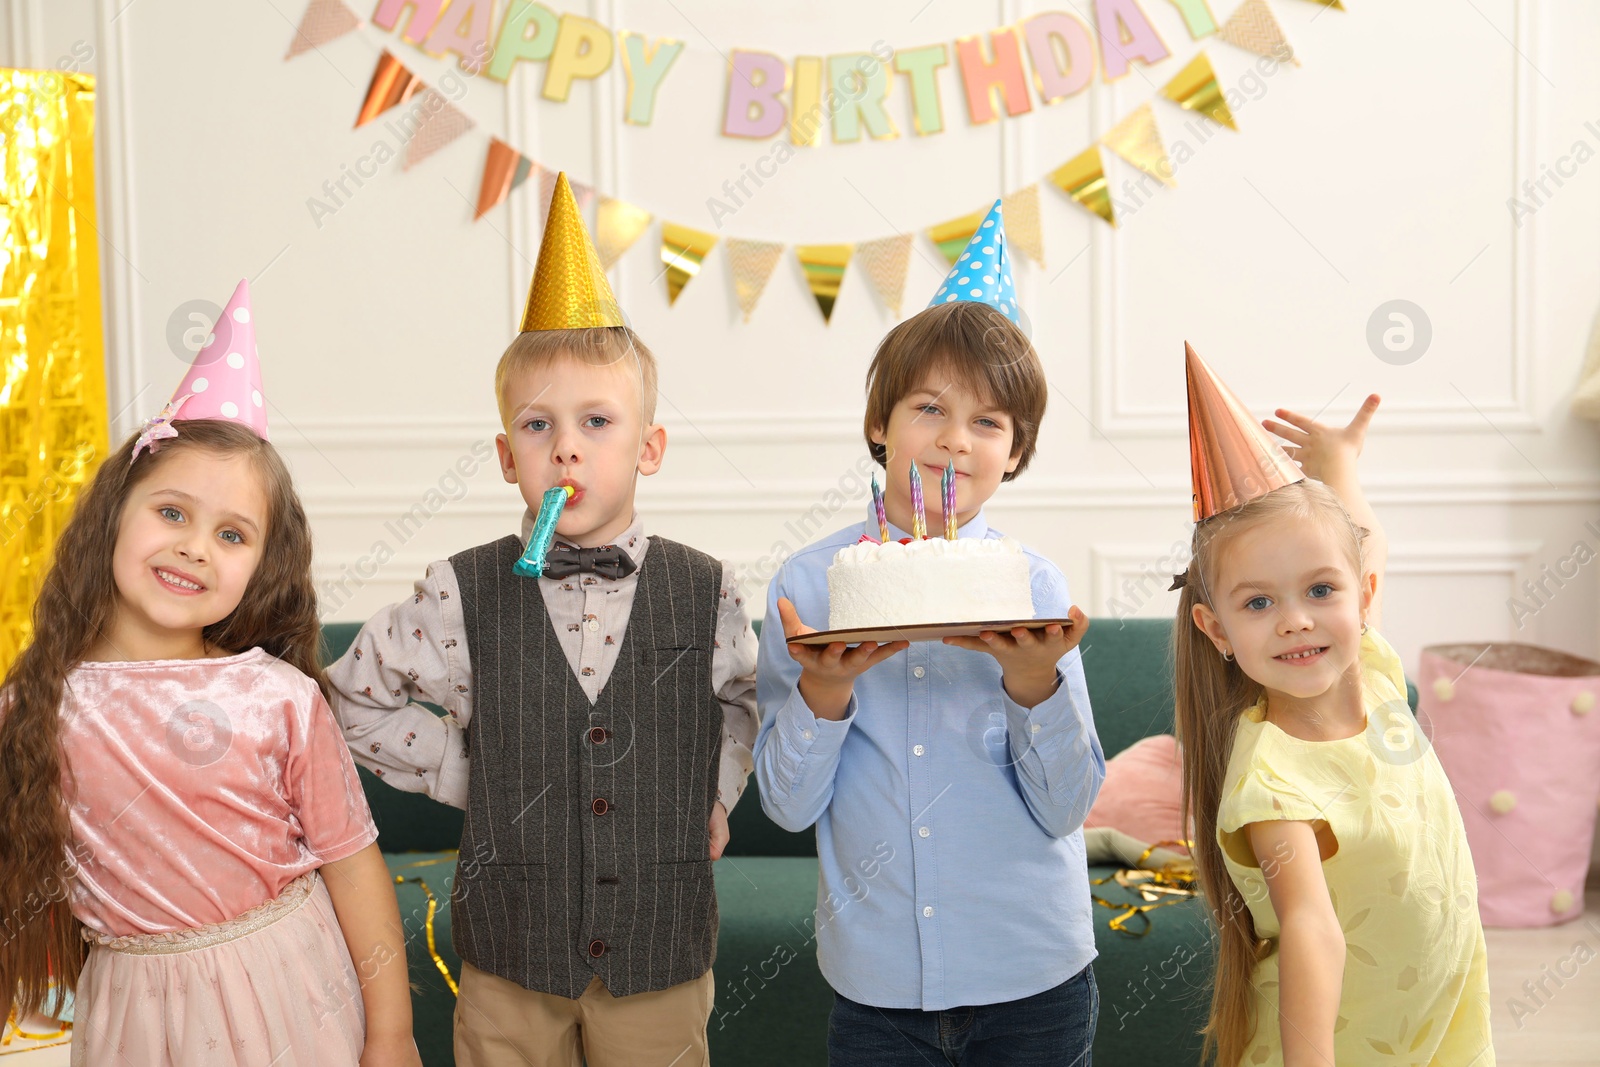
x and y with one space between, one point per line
1050 1029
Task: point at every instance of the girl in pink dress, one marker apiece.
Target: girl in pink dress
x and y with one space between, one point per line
177 793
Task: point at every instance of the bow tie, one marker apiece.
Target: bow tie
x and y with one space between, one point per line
608 561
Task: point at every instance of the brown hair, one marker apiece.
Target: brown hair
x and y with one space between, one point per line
1210 694
41 939
981 348
600 346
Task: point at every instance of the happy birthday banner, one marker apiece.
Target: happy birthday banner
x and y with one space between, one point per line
767 97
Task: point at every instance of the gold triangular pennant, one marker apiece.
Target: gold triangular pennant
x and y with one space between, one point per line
1083 178
1022 223
617 225
683 251
952 235
1195 88
1138 140
824 267
886 261
751 263
1254 27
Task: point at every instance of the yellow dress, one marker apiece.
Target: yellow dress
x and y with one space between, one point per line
1416 980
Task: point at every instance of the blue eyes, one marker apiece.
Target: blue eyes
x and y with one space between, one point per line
593 422
1320 591
172 514
932 409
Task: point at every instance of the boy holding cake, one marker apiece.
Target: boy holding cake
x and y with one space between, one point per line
600 702
948 781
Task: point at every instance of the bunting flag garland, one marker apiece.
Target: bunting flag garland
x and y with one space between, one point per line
886 261
1195 88
683 251
952 235
1138 140
441 123
1083 178
323 21
751 263
392 83
824 267
1254 27
618 224
503 170
1023 227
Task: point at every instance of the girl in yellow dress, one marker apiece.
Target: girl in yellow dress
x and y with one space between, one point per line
1329 844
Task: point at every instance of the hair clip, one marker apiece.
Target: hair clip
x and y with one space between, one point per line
1179 580
158 427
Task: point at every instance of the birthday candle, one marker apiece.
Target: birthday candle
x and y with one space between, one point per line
531 565
919 514
950 501
877 505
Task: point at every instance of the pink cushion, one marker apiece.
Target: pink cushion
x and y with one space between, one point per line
1143 792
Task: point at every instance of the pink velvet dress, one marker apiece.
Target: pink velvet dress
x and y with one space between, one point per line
204 795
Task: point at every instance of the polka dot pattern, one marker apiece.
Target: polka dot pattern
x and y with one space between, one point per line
982 273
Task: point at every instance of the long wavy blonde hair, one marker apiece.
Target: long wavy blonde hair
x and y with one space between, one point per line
1210 694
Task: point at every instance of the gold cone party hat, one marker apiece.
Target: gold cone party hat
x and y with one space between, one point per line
569 290
1231 456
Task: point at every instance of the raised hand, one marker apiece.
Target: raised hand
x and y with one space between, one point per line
1326 453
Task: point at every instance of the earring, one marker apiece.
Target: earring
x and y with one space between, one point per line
1226 655
1363 627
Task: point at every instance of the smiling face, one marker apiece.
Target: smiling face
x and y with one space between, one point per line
939 421
190 536
574 423
1288 603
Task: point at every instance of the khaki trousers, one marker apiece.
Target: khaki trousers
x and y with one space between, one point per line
500 1024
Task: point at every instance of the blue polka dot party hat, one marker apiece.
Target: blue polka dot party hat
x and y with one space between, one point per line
983 270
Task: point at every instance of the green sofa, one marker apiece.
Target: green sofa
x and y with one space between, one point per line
772 1003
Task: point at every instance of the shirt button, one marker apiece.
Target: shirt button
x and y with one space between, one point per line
806 735
598 735
918 671
597 948
1035 728
593 625
599 807
927 913
917 750
923 831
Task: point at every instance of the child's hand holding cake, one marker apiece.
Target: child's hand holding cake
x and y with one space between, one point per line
1028 658
828 675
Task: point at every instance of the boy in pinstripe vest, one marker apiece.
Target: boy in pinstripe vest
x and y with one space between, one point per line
600 716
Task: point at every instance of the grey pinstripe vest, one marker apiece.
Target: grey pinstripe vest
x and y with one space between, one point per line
585 849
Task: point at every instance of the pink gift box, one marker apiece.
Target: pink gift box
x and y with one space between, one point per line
1517 731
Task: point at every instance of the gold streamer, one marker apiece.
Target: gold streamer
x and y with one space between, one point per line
1254 27
1083 178
1138 140
617 225
1195 88
952 235
53 391
824 267
683 251
752 263
433 948
886 261
1023 229
1161 888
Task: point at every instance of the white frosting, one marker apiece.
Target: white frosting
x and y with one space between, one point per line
966 580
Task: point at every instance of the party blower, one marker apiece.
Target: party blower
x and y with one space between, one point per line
531 565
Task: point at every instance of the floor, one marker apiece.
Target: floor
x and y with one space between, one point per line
1544 983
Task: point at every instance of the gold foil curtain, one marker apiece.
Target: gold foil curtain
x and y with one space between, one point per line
53 390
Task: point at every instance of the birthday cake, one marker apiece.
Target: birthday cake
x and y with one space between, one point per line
871 585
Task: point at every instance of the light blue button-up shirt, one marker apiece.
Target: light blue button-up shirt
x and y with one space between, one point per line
948 816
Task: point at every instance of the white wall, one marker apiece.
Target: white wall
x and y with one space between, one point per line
1380 169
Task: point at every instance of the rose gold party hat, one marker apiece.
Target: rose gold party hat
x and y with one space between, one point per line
1231 456
569 290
